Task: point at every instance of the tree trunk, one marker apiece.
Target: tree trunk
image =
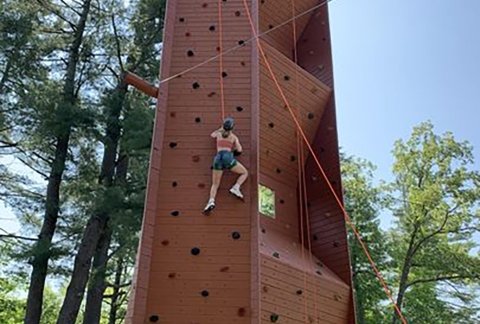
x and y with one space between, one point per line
98 222
52 205
6 74
112 318
402 287
96 288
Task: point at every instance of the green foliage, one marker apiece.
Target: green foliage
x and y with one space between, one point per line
363 203
266 201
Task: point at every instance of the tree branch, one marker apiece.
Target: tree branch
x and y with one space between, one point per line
442 278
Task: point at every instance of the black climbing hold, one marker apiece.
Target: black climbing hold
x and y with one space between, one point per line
190 53
198 120
299 292
271 125
196 158
274 318
270 26
205 293
165 242
187 34
241 42
224 74
204 5
224 269
211 94
278 170
293 158
241 312
195 251
211 28
237 13
196 85
181 19
319 272
310 115
175 213
154 318
218 49
239 109
324 39
174 184
335 244
262 1
242 63
286 78
282 201
235 235
201 185
315 237
172 144
173 114
172 275
276 255
263 230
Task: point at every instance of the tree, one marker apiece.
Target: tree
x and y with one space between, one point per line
363 202
434 198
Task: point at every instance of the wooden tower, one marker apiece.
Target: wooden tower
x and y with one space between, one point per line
237 265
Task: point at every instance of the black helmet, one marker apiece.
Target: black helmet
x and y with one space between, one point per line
228 124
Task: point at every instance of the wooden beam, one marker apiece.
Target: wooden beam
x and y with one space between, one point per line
140 84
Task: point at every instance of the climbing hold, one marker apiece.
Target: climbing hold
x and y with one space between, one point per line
293 158
276 255
237 13
286 78
310 115
278 170
262 1
154 318
196 85
324 39
270 26
174 184
218 48
212 28
198 120
271 125
181 19
239 109
265 289
242 63
190 53
211 94
173 114
315 237
187 34
224 74
224 269
204 5
299 292
196 158
195 251
263 230
318 272
172 145
165 242
172 275
205 293
235 235
337 297
282 201
274 318
320 264
241 312
201 185
175 213
241 42
335 244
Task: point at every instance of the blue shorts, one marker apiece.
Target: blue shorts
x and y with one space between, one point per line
224 160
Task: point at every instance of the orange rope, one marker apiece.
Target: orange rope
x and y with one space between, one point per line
300 171
220 47
312 152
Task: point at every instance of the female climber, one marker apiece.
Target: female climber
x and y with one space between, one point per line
228 146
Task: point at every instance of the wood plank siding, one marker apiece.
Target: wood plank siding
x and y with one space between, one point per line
236 265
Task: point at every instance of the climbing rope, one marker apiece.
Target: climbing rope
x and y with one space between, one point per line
313 154
220 49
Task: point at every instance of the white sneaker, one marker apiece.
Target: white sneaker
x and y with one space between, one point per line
235 190
210 206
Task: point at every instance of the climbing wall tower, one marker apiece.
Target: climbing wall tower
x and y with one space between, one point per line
239 265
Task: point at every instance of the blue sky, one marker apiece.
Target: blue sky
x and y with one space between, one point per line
398 63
